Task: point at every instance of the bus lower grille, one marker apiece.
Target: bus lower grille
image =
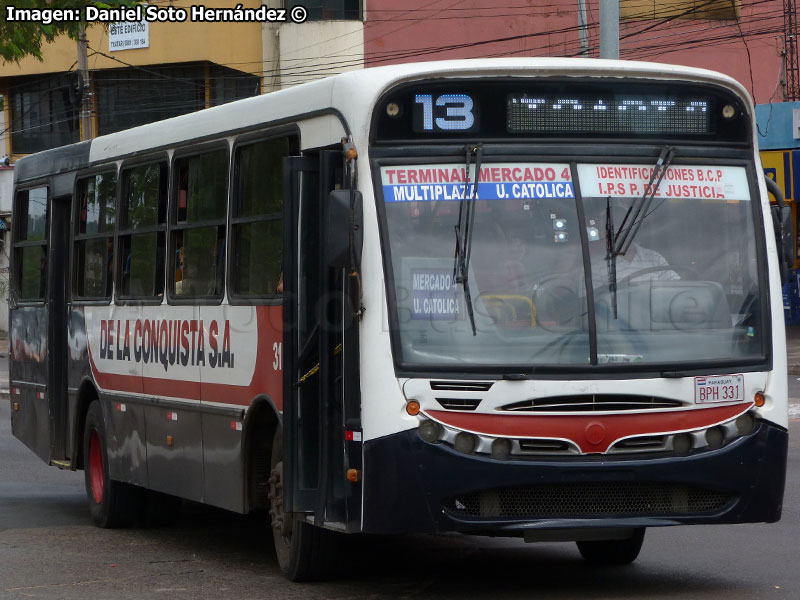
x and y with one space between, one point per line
588 500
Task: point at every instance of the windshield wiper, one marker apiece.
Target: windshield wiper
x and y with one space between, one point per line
624 236
620 242
464 227
611 257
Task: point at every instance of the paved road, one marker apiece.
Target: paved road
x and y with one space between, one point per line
49 550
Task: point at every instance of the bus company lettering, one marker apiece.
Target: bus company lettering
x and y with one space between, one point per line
172 343
681 174
680 182
433 295
704 192
500 181
420 175
432 281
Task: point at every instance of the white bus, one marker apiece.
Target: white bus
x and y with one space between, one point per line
521 297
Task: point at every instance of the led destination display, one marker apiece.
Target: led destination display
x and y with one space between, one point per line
594 114
520 108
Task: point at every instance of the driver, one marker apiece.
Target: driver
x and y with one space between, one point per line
637 264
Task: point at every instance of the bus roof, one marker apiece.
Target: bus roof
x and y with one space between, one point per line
349 95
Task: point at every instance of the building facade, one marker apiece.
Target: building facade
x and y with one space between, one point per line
745 39
159 70
163 69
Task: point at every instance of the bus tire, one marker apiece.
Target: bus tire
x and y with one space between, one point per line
111 503
612 552
304 552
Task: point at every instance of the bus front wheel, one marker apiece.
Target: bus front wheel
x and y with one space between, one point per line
612 552
111 503
304 552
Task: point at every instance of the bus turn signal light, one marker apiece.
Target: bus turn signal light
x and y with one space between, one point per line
353 475
412 408
759 399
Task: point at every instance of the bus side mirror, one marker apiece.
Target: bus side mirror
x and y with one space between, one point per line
343 232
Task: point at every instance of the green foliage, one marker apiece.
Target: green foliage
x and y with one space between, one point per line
19 39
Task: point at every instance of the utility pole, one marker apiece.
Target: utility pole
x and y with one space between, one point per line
83 71
609 29
791 65
583 34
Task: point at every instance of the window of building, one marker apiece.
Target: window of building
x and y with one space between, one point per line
141 242
44 113
720 10
93 254
130 97
325 10
30 246
257 217
198 225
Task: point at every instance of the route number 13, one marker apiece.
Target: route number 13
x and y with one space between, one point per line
448 112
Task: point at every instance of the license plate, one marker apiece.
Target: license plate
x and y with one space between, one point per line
719 388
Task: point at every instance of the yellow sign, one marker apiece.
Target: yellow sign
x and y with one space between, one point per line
783 167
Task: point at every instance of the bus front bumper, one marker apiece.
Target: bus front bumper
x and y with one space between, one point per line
413 486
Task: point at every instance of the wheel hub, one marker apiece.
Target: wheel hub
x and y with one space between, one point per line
96 466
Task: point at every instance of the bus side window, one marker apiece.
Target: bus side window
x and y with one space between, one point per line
30 244
93 254
197 225
257 218
141 245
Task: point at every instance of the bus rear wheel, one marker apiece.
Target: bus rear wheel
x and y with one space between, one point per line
612 552
111 503
304 552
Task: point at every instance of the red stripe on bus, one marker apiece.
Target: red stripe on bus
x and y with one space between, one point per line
592 433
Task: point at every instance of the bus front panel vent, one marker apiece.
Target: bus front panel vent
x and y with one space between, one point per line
459 403
592 403
461 386
589 500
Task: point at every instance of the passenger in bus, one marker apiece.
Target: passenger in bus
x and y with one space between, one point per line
179 270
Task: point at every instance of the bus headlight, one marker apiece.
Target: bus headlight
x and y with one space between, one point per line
745 424
430 431
715 437
682 443
465 442
501 448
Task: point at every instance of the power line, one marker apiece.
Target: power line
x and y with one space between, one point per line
336 62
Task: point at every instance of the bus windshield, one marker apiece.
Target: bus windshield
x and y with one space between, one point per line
686 290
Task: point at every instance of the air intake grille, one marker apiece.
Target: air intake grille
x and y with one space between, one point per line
461 386
544 446
592 403
459 403
599 499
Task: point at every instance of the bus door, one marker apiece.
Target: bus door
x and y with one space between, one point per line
313 424
57 324
38 323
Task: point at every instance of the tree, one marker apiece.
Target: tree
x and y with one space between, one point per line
19 38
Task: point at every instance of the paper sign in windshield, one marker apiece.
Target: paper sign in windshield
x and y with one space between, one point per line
498 181
434 295
680 182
